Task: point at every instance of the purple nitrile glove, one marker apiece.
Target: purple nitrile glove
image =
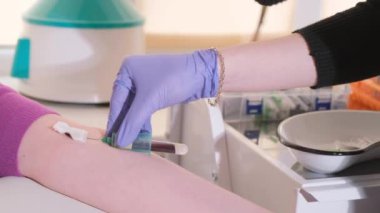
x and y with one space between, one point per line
153 82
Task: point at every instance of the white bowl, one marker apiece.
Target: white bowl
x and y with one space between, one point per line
318 140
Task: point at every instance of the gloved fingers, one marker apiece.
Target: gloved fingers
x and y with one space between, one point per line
121 98
147 126
137 118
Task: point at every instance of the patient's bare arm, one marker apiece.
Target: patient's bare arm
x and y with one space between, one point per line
116 180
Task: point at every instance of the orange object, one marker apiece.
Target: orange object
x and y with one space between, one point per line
365 95
369 87
354 103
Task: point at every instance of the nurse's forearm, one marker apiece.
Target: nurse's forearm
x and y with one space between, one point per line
115 180
269 65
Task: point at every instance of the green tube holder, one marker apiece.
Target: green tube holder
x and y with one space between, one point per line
142 143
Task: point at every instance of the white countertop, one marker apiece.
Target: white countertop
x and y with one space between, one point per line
18 194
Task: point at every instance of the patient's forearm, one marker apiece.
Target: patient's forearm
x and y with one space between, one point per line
116 180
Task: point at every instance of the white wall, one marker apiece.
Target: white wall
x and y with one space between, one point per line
10 19
193 17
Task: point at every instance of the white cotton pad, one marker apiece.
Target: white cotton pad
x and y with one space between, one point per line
76 134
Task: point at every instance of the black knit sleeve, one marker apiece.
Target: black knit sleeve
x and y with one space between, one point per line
346 46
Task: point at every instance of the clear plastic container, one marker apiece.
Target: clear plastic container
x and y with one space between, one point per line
279 105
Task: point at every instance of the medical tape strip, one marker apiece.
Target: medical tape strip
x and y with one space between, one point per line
76 134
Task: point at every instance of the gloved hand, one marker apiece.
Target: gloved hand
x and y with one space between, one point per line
153 82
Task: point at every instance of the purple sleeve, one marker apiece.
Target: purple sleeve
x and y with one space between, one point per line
17 113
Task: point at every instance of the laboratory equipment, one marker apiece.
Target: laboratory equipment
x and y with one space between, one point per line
71 50
247 158
278 105
331 141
